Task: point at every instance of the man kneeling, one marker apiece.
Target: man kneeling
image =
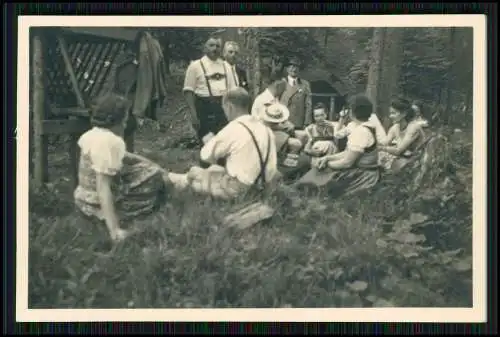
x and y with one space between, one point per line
242 155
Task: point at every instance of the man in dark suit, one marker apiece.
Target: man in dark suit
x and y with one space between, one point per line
230 54
297 96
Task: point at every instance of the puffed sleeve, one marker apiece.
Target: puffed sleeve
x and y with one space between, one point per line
191 77
359 139
107 155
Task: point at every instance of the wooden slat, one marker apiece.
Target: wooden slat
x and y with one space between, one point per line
76 111
70 71
108 32
65 126
323 95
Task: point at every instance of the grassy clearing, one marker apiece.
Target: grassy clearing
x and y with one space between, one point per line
381 249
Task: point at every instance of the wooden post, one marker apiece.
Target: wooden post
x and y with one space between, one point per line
74 152
384 69
39 113
332 107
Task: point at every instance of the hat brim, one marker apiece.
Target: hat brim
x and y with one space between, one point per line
266 118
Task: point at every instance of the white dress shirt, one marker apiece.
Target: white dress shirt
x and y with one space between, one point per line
195 79
235 144
266 97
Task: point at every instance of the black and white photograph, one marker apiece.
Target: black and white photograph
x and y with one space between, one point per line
236 164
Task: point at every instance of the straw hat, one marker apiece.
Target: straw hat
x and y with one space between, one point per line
275 113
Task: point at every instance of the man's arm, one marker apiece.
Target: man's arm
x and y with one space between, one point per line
188 90
219 146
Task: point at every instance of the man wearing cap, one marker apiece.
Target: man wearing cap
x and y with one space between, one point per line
230 52
297 95
206 81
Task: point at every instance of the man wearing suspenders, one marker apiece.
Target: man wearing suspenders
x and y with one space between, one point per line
206 81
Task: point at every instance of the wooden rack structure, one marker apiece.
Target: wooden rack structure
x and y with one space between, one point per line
326 88
70 67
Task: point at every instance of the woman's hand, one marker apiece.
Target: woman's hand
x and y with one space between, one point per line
322 162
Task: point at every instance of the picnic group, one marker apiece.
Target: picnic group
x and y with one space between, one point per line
277 138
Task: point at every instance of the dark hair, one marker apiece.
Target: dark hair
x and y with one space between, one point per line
238 97
109 110
320 105
421 108
403 106
361 107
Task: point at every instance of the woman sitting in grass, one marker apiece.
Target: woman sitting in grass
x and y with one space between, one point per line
114 185
405 137
356 168
321 135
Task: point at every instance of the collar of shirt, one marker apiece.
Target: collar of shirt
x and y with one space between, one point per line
292 81
268 97
206 60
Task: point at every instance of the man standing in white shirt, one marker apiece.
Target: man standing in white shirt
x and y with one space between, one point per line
247 147
206 81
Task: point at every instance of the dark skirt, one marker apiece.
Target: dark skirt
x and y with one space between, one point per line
340 182
210 114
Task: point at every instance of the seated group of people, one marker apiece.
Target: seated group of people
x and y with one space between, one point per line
251 152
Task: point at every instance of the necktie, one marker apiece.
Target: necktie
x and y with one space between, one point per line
235 75
294 82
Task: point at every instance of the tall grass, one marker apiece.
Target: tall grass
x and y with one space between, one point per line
367 250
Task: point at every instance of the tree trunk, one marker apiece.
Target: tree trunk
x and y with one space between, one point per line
383 74
254 75
166 52
327 34
448 108
231 34
39 112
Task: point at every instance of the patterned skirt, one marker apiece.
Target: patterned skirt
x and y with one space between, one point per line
138 190
340 182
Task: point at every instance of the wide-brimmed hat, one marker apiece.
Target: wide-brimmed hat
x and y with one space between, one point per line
274 113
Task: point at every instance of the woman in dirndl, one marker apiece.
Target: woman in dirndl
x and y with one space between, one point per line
406 137
354 169
115 185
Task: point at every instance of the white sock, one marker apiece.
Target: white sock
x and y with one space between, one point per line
180 181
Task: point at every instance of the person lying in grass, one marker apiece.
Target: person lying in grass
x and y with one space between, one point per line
245 146
356 168
405 135
115 185
321 140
